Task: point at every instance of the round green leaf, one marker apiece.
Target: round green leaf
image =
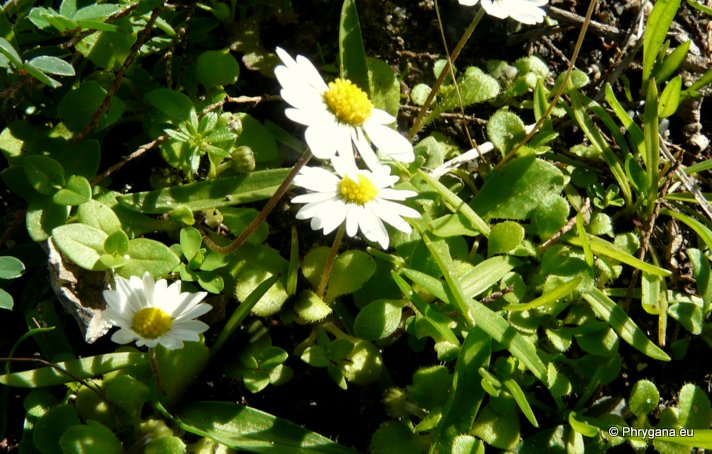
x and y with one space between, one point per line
50 427
175 105
100 216
643 398
117 243
190 241
78 107
505 129
311 308
76 192
165 445
94 437
6 301
504 237
11 268
44 174
695 411
148 255
217 67
82 244
52 65
363 365
378 320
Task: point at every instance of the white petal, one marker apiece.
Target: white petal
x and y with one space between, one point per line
365 150
190 308
373 229
390 142
353 212
313 197
316 179
380 117
468 2
124 336
389 216
396 194
334 218
322 140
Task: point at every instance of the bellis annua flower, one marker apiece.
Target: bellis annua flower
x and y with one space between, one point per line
525 11
363 199
337 115
153 313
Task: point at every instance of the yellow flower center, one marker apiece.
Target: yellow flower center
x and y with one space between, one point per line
360 192
151 323
348 102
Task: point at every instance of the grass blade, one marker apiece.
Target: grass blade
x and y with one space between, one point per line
606 309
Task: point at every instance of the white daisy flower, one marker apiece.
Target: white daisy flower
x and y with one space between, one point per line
153 313
337 115
363 199
524 11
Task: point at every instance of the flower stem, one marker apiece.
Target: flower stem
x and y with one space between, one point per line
560 91
269 206
330 261
419 120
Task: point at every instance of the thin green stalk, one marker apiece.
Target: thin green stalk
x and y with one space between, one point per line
330 261
419 120
560 91
269 206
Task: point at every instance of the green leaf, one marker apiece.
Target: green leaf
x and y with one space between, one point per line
626 328
217 67
699 228
50 427
110 49
6 301
505 130
350 271
82 244
467 393
581 426
258 138
384 86
190 241
688 315
670 98
173 104
94 437
52 65
78 107
207 194
695 411
636 134
644 398
504 237
43 173
378 319
95 12
703 276
99 215
310 308
604 248
43 215
671 63
11 268
252 430
9 51
352 55
148 255
179 368
70 371
165 445
651 129
478 314
458 203
547 298
518 188
256 265
656 29
76 191
117 243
